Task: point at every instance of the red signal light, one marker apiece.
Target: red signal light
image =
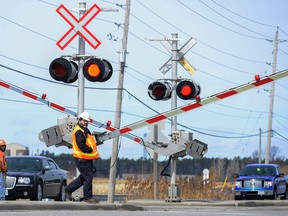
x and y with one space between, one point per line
257 78
97 70
159 90
187 89
63 70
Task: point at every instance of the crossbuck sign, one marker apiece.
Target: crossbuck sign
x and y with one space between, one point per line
78 26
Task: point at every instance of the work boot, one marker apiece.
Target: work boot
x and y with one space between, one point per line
68 194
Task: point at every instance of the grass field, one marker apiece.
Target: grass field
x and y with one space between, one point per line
190 188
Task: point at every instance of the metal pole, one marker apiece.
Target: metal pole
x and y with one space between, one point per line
155 164
113 162
81 80
260 150
268 145
173 186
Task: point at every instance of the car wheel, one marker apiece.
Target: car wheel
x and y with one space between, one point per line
38 193
62 193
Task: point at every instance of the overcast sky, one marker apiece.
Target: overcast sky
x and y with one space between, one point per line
235 41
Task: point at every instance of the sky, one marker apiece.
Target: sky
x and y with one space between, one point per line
235 41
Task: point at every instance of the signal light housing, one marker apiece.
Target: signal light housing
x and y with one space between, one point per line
97 70
188 89
159 90
63 70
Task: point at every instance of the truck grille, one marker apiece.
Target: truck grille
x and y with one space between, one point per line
252 183
10 182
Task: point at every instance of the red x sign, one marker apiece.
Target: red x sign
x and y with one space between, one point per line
78 26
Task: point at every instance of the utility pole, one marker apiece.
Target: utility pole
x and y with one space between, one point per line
268 145
260 150
155 163
122 59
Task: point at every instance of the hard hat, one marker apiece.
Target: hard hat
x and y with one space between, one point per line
85 116
2 142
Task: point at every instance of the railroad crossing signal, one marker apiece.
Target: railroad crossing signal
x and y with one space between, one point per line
78 26
97 70
159 90
94 70
181 59
186 89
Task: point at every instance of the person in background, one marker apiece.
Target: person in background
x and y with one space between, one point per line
84 152
3 169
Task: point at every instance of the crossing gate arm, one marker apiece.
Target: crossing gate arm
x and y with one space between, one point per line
195 105
65 110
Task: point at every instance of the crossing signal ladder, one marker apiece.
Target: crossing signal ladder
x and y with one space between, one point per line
94 70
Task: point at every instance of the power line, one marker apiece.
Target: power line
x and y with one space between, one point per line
209 46
280 135
204 133
228 29
264 24
112 61
233 21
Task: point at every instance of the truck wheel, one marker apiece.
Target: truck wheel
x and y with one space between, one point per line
237 197
285 195
275 195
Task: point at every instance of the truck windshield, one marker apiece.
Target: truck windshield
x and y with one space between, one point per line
258 171
23 165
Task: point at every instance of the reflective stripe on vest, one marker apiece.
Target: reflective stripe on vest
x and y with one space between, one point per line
90 141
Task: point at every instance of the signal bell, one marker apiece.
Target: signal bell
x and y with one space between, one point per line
97 70
63 70
187 89
159 90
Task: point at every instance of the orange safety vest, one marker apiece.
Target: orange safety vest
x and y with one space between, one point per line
90 141
3 164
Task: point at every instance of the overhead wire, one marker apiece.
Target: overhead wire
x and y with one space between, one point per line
260 23
224 27
210 46
204 133
266 36
40 34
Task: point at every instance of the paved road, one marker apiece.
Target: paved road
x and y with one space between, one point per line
195 211
146 208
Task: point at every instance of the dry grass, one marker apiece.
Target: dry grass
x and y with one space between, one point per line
190 189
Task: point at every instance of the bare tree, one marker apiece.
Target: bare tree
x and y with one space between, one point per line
274 152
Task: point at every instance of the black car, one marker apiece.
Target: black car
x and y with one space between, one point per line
34 178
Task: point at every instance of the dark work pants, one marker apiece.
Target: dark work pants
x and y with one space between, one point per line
85 178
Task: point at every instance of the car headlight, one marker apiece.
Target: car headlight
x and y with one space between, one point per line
268 184
24 180
238 184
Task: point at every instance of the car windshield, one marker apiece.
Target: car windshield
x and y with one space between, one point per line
23 164
258 171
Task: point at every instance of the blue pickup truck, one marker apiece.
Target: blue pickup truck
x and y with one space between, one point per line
261 181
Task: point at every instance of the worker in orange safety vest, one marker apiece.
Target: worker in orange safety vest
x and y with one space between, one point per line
84 152
3 169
